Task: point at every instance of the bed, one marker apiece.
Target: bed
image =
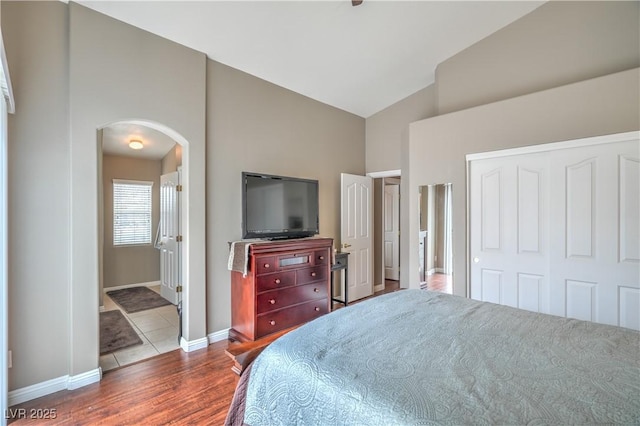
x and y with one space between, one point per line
419 357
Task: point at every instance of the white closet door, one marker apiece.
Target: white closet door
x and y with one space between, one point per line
508 230
595 239
558 231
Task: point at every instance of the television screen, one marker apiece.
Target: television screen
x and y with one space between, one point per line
279 206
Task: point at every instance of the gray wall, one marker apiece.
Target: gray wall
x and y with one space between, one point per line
129 264
384 129
109 70
257 126
435 149
557 44
172 160
73 72
38 189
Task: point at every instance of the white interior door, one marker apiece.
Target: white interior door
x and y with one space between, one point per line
169 232
595 244
508 230
356 233
391 219
558 231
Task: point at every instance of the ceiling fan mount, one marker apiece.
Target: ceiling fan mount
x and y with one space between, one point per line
356 2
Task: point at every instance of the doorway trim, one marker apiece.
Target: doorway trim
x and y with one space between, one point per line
7 106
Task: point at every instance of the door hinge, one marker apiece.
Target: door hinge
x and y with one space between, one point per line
179 188
179 289
179 238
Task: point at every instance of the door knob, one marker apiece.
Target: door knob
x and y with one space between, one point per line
476 259
345 245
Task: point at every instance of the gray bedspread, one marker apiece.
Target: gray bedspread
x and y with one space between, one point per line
417 357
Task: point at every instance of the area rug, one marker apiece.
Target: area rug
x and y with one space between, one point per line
116 332
136 299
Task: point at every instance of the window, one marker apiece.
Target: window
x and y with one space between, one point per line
131 212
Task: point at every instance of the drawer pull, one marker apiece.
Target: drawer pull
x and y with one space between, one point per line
315 290
313 274
272 322
277 281
317 309
321 257
272 301
267 266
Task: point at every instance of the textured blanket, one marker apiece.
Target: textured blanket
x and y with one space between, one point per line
416 357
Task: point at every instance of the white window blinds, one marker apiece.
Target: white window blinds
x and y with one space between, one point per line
131 212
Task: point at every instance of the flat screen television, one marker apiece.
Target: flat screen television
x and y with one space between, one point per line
279 207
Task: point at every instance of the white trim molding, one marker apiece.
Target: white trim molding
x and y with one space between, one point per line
193 345
574 143
385 174
47 387
218 336
84 379
121 287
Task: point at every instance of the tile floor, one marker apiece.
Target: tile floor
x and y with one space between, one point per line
157 328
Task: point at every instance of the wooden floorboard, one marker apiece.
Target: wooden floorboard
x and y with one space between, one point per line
176 387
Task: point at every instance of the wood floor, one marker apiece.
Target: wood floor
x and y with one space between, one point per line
175 387
438 282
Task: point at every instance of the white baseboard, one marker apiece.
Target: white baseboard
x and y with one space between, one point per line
439 270
28 393
378 287
84 379
120 287
431 271
218 336
193 345
38 390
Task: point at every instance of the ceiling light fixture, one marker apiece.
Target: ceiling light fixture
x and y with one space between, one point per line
134 144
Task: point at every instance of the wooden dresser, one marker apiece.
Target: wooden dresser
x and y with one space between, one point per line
287 284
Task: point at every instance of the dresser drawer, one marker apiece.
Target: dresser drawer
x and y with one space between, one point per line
266 264
279 320
275 280
321 257
278 299
308 275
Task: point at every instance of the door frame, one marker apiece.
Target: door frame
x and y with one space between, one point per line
7 106
385 174
545 147
395 180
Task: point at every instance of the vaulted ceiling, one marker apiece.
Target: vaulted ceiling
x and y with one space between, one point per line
360 59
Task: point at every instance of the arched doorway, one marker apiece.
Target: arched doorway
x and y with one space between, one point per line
140 273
